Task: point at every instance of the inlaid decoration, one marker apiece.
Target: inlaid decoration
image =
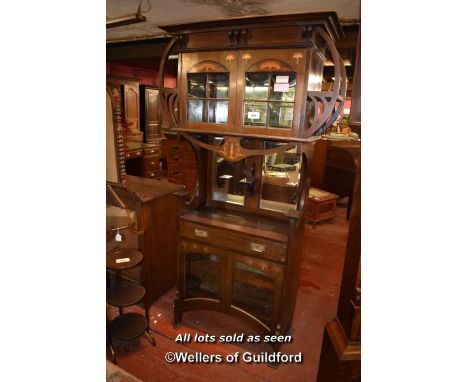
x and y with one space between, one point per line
208 67
270 65
232 149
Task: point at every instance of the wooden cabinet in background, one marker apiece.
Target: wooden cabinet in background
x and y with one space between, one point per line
181 162
150 113
142 159
131 101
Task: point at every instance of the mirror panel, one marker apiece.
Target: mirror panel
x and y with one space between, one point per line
280 179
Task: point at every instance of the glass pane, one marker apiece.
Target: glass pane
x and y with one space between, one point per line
280 114
255 113
280 179
202 275
230 180
256 86
196 85
218 111
252 290
283 87
195 110
218 85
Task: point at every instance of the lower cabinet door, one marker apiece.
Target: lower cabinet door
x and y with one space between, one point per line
256 286
240 283
203 272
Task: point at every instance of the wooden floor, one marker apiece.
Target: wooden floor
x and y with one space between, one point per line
320 276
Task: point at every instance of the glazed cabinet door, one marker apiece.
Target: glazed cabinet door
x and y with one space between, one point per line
271 91
208 91
203 268
256 287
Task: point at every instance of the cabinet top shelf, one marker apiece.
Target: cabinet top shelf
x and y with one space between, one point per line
329 20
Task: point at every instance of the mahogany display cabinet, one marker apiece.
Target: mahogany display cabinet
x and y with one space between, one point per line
249 101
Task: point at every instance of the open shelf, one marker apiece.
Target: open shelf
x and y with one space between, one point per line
125 293
128 326
132 257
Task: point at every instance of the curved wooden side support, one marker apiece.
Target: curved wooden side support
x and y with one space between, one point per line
325 106
168 98
233 151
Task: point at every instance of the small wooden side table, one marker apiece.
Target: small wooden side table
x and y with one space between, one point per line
321 205
126 326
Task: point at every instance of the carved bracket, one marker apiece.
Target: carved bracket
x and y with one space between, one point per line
324 107
168 98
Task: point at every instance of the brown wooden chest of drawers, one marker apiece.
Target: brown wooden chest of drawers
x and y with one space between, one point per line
144 161
181 162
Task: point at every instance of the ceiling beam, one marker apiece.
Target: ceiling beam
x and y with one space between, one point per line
123 51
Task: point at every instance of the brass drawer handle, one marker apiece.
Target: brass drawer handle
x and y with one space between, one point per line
152 162
152 151
138 153
128 155
257 247
200 232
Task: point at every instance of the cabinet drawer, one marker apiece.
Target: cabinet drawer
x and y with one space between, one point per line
239 242
152 174
151 163
153 151
133 154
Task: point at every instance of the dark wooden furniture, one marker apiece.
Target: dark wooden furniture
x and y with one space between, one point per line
249 99
340 172
156 206
130 102
123 293
321 205
151 208
180 161
237 263
150 113
340 358
142 159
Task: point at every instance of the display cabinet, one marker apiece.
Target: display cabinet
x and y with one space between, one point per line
249 101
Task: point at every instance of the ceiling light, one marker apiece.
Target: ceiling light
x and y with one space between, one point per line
125 20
